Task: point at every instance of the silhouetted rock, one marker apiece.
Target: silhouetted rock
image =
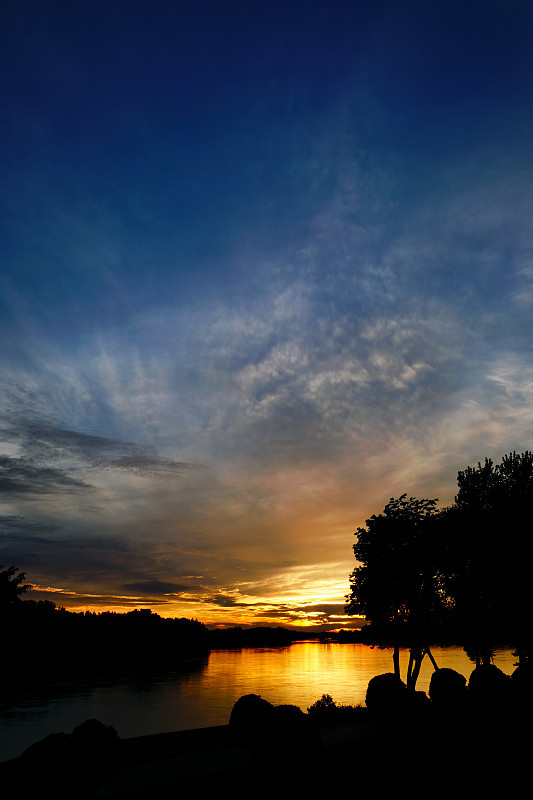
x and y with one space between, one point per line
521 709
386 695
449 704
490 703
293 733
249 714
522 692
447 689
289 714
419 703
274 732
68 766
50 768
522 678
48 751
97 744
488 685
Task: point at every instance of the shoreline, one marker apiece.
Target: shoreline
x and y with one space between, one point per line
355 752
162 761
217 760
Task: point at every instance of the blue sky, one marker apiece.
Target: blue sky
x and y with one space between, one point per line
264 266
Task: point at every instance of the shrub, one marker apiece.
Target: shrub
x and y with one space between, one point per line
325 705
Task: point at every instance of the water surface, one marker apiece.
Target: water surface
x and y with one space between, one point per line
201 692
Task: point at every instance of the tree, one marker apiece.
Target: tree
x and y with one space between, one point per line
486 563
11 585
397 584
487 487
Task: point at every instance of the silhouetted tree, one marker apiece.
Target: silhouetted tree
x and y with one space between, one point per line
325 709
487 555
11 585
325 705
397 584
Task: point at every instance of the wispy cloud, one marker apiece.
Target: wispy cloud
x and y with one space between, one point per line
81 601
157 587
227 343
20 476
146 465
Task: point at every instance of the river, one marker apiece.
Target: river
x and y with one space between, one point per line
201 692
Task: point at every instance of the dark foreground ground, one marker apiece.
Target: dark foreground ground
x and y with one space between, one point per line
353 757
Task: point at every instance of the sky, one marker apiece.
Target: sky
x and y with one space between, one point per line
264 266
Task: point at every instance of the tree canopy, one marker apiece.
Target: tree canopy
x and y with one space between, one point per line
397 585
468 564
395 580
11 585
488 552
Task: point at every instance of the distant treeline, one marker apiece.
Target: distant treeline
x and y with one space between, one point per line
260 636
41 640
440 634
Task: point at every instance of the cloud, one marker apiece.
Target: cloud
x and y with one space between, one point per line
226 599
45 441
158 587
20 476
365 358
12 522
146 465
322 608
75 599
295 407
325 617
42 439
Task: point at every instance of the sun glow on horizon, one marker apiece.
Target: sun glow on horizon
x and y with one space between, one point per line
295 598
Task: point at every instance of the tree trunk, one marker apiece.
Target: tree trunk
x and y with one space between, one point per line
486 658
396 660
416 656
419 657
435 665
410 668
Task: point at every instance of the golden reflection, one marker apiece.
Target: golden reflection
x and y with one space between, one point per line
301 673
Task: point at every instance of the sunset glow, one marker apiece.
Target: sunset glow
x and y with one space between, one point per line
262 270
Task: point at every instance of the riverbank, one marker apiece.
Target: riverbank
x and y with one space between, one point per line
356 755
219 760
205 762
